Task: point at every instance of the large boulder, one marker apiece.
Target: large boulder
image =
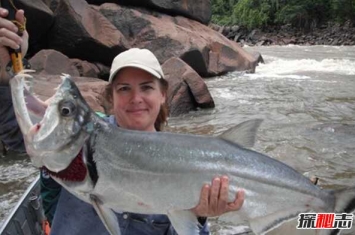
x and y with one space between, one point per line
94 70
51 62
52 4
199 10
39 21
208 52
80 31
187 90
90 88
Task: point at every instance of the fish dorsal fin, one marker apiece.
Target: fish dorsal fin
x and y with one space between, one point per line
243 134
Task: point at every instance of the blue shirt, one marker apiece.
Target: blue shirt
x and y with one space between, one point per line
79 217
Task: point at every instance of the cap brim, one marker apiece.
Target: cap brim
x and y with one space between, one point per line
147 69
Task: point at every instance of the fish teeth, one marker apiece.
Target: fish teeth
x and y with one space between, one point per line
27 71
24 73
64 76
57 87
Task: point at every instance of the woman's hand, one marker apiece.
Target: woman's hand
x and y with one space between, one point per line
214 199
9 38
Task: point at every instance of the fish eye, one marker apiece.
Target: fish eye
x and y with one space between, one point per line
67 108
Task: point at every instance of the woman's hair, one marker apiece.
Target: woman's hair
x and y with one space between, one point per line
162 118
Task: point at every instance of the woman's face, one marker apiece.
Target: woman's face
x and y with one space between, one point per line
137 98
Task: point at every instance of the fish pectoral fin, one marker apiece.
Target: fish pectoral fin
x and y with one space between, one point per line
262 225
184 222
106 215
243 134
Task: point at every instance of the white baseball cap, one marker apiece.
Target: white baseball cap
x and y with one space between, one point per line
137 58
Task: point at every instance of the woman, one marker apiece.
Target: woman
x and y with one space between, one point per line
137 91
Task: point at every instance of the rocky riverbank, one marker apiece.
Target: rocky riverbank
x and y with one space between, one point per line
81 38
333 34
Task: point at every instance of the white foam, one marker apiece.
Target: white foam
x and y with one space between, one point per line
275 76
277 66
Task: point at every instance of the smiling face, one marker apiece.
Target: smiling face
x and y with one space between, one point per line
137 98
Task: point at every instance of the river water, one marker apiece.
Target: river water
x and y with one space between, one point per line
306 97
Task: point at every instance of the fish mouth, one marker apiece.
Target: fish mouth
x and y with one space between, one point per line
30 111
38 121
35 128
53 132
25 103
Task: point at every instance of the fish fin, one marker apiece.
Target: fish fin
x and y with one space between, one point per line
106 215
262 225
243 134
184 222
64 76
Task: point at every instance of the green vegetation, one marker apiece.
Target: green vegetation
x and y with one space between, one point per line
299 13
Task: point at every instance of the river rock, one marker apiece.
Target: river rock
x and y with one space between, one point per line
327 34
197 10
85 68
258 57
90 88
255 35
206 51
187 90
235 28
94 70
52 4
215 27
80 31
104 71
51 62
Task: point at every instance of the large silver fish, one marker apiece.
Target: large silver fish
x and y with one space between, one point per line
162 173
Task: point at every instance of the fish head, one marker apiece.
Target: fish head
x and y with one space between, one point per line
57 139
